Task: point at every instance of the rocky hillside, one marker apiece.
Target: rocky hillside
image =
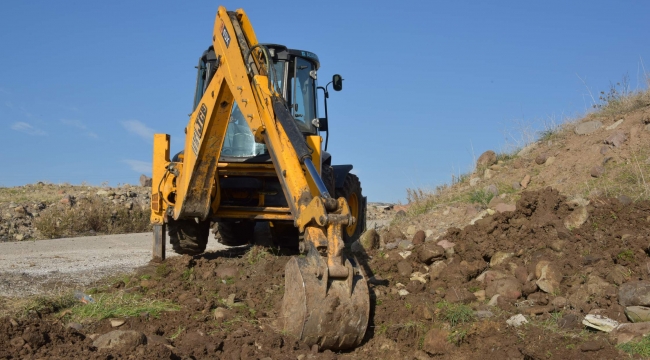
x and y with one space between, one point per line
42 211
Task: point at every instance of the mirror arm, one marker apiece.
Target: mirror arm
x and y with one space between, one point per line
327 135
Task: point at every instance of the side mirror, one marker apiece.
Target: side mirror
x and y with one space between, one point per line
337 82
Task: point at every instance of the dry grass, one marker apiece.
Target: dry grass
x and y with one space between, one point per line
91 216
621 100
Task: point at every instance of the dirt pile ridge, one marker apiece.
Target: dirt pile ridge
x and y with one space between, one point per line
447 298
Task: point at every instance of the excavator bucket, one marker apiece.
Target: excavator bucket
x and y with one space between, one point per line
321 310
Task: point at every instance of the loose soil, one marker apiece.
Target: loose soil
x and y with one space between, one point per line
245 287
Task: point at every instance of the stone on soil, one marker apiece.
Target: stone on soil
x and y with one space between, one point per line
617 139
499 257
625 333
516 320
419 237
507 287
435 342
501 207
576 218
369 240
486 159
634 293
459 295
638 314
549 280
430 252
588 127
600 322
614 125
404 268
126 339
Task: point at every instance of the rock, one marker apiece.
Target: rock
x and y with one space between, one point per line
125 339
436 269
617 139
145 180
19 237
540 159
597 171
402 292
411 230
428 233
600 322
459 295
625 333
638 313
494 300
527 149
478 217
576 218
486 159
516 185
418 276
446 244
507 287
634 293
499 257
404 254
474 181
419 237
102 193
624 199
435 342
492 189
67 200
129 205
480 295
550 278
369 240
489 174
559 302
614 125
220 314
591 346
117 322
74 325
517 320
484 314
405 245
525 181
568 321
501 207
404 268
647 127
618 275
430 252
588 127
550 160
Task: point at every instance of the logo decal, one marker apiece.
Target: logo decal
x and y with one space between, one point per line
198 128
225 35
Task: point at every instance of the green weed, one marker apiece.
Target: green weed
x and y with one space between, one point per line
456 313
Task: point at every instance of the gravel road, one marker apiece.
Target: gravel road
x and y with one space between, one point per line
35 267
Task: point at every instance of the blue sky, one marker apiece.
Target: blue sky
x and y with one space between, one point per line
428 85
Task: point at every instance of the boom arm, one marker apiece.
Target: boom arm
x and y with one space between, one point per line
242 75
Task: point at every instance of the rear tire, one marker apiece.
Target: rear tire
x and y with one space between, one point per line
187 236
235 233
351 191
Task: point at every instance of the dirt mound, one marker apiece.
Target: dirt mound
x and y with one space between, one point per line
551 260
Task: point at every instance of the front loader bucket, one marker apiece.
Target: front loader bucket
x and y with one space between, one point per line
319 310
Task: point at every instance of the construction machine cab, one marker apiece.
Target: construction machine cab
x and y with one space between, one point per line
295 79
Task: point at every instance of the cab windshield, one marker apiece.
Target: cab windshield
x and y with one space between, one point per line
302 97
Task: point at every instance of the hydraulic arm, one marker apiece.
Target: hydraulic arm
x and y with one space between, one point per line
318 289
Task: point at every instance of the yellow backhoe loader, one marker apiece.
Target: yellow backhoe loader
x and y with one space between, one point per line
253 153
